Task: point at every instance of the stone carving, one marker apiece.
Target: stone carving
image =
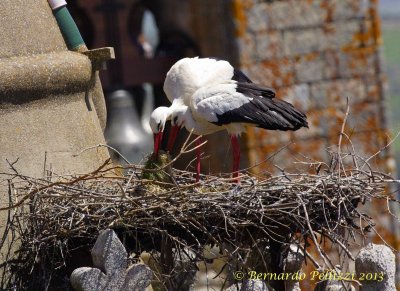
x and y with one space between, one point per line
111 271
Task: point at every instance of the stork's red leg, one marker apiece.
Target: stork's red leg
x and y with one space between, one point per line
198 153
236 157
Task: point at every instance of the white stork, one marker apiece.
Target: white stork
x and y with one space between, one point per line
208 95
180 84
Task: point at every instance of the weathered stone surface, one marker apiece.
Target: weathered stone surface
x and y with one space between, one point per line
27 28
310 68
304 41
46 115
364 116
138 277
331 36
111 260
370 35
271 138
315 67
296 13
257 17
269 45
86 278
247 47
275 73
109 253
46 73
375 86
346 9
342 35
357 63
376 260
261 46
336 92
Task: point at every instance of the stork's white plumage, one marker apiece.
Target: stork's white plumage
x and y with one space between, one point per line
208 95
187 75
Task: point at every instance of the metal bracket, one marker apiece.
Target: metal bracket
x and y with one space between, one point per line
99 57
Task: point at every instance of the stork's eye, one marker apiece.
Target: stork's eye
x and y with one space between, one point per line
159 126
175 119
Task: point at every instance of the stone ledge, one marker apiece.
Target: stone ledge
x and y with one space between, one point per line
44 74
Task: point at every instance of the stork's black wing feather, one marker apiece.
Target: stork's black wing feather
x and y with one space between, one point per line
241 77
254 90
268 113
247 87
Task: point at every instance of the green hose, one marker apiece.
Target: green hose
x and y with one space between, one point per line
69 30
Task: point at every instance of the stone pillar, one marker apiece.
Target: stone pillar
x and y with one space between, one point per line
47 113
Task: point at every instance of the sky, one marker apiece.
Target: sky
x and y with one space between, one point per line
390 8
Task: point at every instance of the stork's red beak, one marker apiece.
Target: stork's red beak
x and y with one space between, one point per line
172 137
157 142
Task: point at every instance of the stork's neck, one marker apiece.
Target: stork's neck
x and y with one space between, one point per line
177 102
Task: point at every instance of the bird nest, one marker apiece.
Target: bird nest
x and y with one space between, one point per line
51 219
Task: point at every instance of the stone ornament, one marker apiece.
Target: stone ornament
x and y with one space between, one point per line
111 271
376 265
250 285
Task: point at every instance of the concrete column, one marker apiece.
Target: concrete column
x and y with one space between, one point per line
46 107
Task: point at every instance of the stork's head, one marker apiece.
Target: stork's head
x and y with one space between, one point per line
158 118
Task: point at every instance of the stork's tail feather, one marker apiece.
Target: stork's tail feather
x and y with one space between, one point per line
293 115
276 114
